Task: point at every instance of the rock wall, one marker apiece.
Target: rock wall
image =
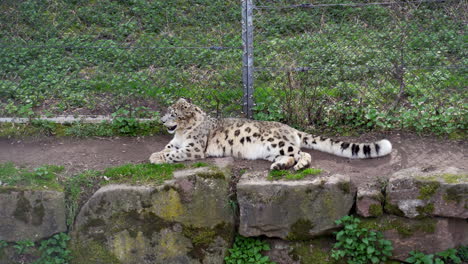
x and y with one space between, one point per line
191 219
292 209
30 214
186 220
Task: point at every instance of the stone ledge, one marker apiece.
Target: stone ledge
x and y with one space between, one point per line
31 214
185 220
292 210
429 235
415 192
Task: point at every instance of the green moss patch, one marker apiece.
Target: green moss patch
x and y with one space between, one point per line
300 230
91 252
142 173
446 177
404 227
393 209
288 175
201 238
345 186
454 194
454 178
425 210
41 178
212 174
312 252
375 210
427 189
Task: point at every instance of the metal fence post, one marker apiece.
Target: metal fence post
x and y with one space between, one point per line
247 62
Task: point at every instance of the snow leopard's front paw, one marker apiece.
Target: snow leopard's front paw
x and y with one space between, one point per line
157 158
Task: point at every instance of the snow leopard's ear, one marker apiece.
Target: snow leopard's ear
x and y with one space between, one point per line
184 100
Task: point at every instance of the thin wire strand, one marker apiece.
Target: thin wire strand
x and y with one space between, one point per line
111 47
347 4
307 69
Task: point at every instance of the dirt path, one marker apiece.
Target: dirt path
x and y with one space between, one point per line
81 154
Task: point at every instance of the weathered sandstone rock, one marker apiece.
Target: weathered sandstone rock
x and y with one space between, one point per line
185 220
429 235
293 210
415 192
30 214
369 201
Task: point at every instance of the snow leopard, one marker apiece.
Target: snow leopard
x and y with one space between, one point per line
199 136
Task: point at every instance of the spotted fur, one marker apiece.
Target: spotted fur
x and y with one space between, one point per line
198 136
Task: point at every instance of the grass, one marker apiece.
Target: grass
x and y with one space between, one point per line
288 175
126 127
45 177
200 164
142 173
374 67
79 187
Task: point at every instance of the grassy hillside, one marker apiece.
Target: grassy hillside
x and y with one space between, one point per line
370 67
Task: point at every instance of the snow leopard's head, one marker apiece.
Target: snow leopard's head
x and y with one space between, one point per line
182 115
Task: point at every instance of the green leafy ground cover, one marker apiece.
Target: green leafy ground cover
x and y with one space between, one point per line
45 177
80 186
372 67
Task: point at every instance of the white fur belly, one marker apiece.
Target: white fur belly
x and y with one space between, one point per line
250 151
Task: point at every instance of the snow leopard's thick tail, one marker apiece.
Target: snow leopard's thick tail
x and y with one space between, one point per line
344 149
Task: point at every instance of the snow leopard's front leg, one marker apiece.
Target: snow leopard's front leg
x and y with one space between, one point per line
172 154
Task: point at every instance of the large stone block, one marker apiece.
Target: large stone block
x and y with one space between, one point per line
428 235
293 210
185 220
369 201
417 192
30 214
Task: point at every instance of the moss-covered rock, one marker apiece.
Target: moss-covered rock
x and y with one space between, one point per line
415 193
316 251
429 235
369 201
30 214
185 220
10 255
293 210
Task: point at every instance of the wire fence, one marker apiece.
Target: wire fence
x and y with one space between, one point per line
317 64
96 57
346 64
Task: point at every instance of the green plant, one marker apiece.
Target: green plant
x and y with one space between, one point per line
103 129
359 245
46 127
463 253
22 246
43 173
54 250
41 177
248 250
123 123
288 175
3 244
233 205
450 255
74 188
446 256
